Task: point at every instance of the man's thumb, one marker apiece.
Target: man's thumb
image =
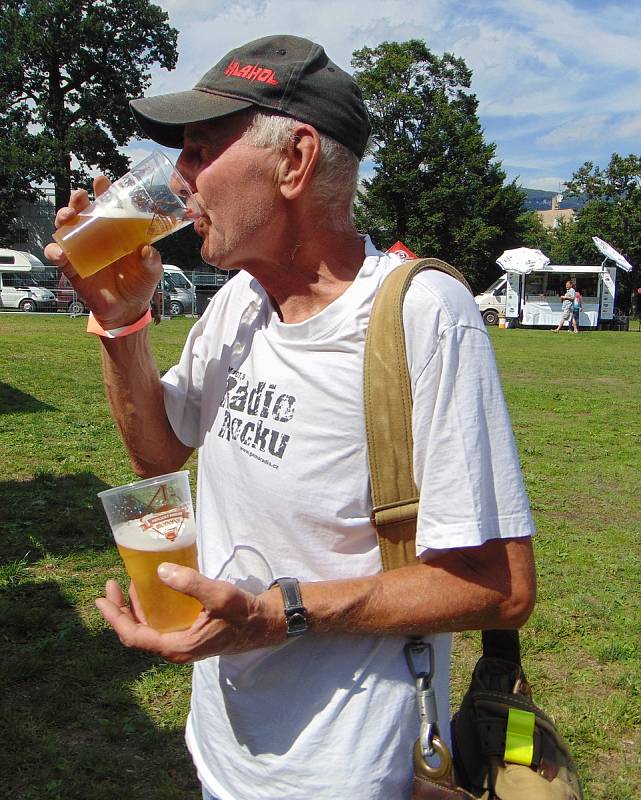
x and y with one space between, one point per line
151 259
219 597
182 579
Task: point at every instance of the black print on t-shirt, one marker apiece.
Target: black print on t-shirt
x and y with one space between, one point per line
250 413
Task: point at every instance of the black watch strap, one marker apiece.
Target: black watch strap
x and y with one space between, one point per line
295 611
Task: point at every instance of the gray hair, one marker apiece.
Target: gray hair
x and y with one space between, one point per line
336 177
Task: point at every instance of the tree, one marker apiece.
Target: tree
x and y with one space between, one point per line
436 184
534 233
18 170
67 71
612 211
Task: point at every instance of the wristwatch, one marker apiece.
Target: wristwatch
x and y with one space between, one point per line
295 611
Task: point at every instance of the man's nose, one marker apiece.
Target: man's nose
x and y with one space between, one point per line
182 165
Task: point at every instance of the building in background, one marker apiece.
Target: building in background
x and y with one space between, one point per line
35 225
553 216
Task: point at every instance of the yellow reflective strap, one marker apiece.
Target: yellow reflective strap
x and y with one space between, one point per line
519 738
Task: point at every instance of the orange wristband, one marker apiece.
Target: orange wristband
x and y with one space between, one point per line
94 327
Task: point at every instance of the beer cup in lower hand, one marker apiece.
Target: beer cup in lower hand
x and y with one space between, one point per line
153 521
148 203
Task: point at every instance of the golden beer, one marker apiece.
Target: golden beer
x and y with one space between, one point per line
165 609
152 521
92 242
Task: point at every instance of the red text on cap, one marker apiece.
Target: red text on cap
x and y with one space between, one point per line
252 72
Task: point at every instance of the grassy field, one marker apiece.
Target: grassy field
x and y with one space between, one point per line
82 717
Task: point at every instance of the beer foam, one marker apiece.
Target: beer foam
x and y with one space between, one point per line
116 212
134 535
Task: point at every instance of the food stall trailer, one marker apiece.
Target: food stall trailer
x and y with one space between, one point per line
534 287
535 298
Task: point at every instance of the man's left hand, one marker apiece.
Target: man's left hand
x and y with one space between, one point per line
232 620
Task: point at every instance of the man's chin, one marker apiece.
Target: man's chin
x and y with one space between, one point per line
214 259
206 257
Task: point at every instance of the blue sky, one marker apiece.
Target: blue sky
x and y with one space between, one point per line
558 83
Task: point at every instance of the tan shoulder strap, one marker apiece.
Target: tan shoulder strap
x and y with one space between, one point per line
388 415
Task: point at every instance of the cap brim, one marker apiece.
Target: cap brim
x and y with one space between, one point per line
163 118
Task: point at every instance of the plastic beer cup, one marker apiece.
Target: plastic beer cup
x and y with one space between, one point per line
148 203
153 521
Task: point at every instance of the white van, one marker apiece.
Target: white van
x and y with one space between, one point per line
491 302
19 285
180 294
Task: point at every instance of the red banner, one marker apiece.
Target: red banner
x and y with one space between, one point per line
403 251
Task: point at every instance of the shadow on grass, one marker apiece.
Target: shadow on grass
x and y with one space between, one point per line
12 400
51 515
69 724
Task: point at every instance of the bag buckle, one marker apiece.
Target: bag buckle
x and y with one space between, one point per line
425 695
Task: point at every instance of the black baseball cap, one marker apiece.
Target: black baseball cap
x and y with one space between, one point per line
285 74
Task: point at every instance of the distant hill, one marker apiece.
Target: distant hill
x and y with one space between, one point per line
541 200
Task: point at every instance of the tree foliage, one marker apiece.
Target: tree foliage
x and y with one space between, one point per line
436 185
18 169
534 233
613 207
67 71
612 212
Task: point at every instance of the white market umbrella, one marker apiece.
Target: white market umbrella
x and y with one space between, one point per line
609 252
523 260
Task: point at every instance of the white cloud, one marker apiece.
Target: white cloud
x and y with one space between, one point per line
591 128
137 151
209 30
588 128
535 56
606 35
550 184
516 160
629 128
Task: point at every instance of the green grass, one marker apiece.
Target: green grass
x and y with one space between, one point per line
574 402
83 717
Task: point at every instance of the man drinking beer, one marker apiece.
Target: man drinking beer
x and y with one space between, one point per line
300 686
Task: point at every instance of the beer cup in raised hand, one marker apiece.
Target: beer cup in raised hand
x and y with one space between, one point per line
148 203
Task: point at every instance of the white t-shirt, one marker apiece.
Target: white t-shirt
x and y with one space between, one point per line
569 301
277 412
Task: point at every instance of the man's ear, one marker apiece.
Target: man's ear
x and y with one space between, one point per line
299 161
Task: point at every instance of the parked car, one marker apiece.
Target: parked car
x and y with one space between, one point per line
19 283
67 299
180 295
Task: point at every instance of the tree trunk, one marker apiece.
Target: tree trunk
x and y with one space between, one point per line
62 167
62 181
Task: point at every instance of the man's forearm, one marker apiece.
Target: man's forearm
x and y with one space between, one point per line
475 588
135 394
470 589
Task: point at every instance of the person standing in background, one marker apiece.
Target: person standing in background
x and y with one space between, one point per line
577 308
567 300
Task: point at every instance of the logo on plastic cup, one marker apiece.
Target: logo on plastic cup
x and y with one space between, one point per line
165 524
160 224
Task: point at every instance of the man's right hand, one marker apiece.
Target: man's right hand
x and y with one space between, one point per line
121 293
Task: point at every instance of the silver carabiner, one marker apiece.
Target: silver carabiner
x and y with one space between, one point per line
426 701
425 697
